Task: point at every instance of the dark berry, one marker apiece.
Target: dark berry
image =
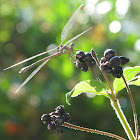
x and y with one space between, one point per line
88 56
79 64
124 60
60 110
117 72
59 130
80 55
45 118
67 117
60 120
90 59
109 53
52 126
84 68
93 62
103 60
115 61
106 68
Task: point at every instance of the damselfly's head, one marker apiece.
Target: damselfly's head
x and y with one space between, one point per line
71 46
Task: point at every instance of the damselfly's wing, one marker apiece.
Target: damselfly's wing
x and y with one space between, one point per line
30 58
70 23
32 74
24 69
69 41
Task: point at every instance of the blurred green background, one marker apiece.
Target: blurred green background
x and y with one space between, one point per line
28 28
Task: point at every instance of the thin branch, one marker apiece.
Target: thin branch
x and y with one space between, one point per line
92 131
106 78
95 75
133 108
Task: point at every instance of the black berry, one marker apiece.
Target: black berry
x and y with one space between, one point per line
106 68
45 118
117 72
79 64
84 68
109 53
88 56
103 60
115 61
90 59
80 55
60 110
59 130
124 60
55 120
52 126
93 62
67 117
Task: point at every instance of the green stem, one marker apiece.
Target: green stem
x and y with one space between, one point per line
122 118
133 107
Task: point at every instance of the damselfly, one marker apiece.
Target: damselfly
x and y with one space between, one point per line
61 49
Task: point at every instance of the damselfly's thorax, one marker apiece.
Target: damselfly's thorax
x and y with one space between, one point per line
66 49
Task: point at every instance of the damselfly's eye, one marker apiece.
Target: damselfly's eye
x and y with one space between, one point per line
109 53
71 45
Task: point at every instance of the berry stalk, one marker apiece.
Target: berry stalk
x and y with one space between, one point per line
93 72
106 78
133 107
92 131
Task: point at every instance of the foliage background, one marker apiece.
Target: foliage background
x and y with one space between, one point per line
28 28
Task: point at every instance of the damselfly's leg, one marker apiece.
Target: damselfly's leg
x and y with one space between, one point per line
71 56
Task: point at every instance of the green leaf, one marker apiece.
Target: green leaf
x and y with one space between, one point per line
129 74
89 86
135 81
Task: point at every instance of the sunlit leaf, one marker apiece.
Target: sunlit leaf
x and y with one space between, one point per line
135 81
94 87
128 74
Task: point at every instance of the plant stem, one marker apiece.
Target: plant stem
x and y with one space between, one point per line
93 53
93 71
122 119
92 131
133 108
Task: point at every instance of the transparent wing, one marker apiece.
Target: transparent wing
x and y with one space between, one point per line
24 69
29 59
70 23
32 74
69 41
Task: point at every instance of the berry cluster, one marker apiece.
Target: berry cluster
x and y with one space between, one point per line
110 63
84 60
54 120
